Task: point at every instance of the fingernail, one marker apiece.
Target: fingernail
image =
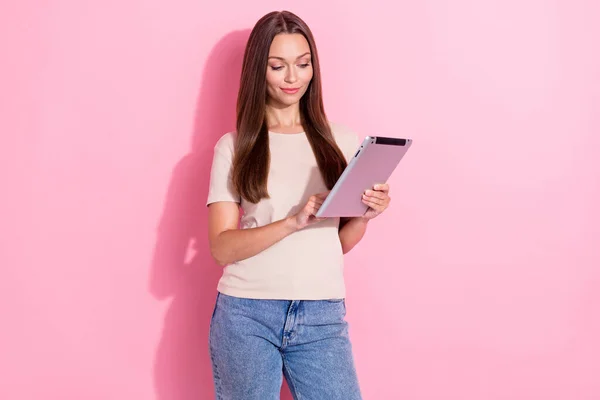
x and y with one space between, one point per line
369 192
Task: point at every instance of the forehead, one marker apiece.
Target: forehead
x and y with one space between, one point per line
288 45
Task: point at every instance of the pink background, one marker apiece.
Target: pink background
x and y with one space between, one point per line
481 282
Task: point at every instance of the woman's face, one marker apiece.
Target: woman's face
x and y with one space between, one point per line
289 69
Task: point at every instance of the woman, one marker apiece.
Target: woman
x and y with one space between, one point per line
280 306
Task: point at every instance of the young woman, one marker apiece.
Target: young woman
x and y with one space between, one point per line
280 308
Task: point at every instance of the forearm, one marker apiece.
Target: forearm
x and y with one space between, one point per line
238 244
352 232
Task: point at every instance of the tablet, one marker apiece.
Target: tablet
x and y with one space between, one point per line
373 163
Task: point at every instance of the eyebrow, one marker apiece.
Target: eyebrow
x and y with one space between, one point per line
300 56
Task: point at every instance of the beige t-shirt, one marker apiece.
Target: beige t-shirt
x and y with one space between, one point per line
306 265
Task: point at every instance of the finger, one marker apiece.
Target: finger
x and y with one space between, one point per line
316 207
311 204
376 194
314 204
313 216
383 187
374 206
374 200
312 210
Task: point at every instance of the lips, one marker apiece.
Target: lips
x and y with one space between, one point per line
290 90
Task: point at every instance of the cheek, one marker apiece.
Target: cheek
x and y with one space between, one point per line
273 79
306 74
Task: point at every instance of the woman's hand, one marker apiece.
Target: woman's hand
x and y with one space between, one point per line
377 199
306 216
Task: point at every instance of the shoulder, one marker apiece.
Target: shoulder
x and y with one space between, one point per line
343 133
346 138
226 143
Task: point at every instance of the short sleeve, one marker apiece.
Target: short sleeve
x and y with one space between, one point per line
221 185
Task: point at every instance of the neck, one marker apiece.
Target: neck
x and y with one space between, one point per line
286 117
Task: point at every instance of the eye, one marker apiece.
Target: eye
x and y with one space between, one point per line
304 65
276 68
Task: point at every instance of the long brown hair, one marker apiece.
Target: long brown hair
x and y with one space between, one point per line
252 157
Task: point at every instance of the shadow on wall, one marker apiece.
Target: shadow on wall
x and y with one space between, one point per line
183 271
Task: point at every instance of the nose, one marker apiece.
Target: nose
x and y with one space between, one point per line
291 76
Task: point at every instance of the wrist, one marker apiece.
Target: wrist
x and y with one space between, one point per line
362 220
359 222
291 224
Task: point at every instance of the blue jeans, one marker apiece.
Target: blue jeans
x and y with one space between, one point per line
254 343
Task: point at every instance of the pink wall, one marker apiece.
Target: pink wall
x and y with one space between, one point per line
482 281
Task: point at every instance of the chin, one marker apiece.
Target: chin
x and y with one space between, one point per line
288 101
